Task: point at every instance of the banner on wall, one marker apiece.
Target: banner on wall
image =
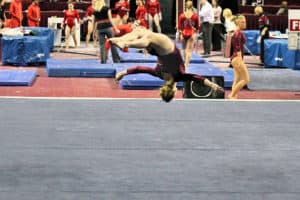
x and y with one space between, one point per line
294 29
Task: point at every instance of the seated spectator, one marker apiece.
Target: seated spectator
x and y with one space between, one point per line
283 10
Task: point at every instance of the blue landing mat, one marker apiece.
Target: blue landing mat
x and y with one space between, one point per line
146 81
17 77
132 57
79 68
228 78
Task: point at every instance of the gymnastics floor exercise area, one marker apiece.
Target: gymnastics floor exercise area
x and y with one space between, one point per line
136 149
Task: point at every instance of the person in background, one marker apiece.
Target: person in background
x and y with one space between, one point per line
34 14
263 25
241 74
70 17
169 68
90 27
104 23
217 34
141 13
188 25
154 14
283 10
228 23
206 14
2 14
15 11
122 8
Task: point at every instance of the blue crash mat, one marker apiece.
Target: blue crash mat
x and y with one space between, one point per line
78 68
277 54
27 50
17 77
228 78
146 81
131 57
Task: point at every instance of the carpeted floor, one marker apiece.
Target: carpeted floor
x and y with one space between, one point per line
147 149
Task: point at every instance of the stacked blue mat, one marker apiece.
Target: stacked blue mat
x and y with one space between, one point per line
134 57
28 50
79 68
277 54
17 77
93 68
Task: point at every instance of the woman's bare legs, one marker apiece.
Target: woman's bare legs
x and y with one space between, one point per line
241 79
67 34
89 33
156 22
154 19
189 50
74 35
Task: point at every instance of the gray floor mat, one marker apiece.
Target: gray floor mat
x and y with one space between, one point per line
148 149
274 79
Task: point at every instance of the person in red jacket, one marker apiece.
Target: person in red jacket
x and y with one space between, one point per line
70 17
122 8
141 13
15 11
241 74
188 24
34 14
154 14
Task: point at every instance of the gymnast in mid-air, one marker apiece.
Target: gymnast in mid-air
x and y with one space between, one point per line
170 66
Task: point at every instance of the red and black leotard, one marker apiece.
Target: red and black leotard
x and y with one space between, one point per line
70 16
188 25
237 43
89 12
122 8
172 64
140 14
153 7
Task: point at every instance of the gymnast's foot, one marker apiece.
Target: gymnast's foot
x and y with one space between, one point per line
231 97
215 87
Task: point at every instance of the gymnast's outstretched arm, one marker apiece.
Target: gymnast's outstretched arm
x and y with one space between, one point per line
135 34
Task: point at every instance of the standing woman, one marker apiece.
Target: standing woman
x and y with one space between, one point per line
2 14
188 24
141 13
241 74
103 24
15 11
122 8
228 23
89 18
154 14
263 25
70 16
217 34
